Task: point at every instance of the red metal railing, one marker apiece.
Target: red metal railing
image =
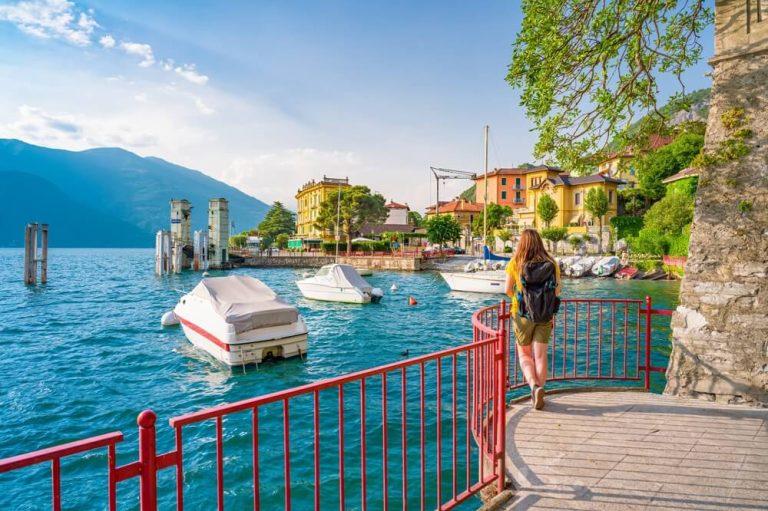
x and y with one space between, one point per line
592 340
472 390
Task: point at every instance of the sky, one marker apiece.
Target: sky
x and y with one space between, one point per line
266 95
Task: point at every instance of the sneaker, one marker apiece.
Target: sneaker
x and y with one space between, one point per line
538 398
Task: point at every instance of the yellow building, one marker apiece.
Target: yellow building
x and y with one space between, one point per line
621 165
308 199
569 193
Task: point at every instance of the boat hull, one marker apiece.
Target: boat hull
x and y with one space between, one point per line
332 294
475 282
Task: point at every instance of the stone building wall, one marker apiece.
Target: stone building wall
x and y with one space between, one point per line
720 329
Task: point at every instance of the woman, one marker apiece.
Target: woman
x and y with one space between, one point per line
533 284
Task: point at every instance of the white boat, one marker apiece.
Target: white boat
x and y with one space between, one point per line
364 272
581 267
606 266
239 320
566 263
339 283
484 281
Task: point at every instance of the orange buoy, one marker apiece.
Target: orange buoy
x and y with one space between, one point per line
412 301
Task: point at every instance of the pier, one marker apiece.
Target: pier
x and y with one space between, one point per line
410 262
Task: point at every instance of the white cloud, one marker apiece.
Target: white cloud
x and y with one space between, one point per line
51 19
203 108
189 73
141 97
107 41
140 50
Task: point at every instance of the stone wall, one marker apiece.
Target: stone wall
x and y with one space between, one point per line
720 329
372 262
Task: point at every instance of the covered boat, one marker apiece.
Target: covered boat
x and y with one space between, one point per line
483 281
581 267
606 266
566 263
239 320
339 283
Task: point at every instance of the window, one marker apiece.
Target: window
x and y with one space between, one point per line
577 198
503 181
517 197
503 195
517 182
610 196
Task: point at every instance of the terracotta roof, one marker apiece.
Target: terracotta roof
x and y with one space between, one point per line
568 180
517 171
396 205
654 142
458 206
686 172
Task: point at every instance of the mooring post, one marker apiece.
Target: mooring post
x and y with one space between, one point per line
28 258
44 254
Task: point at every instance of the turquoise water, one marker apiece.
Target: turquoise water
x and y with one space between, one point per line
84 354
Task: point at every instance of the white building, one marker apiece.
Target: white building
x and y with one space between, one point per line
398 213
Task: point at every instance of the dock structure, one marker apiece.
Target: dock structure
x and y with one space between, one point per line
218 233
35 236
200 246
163 252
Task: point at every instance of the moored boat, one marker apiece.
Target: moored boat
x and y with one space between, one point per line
627 273
339 283
606 266
239 320
581 267
484 281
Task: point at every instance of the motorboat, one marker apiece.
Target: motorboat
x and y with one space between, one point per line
484 281
581 267
566 262
364 272
627 273
239 320
339 283
606 266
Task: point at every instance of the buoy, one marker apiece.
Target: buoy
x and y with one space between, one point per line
412 301
393 288
169 319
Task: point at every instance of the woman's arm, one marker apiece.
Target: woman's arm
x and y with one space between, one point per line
509 287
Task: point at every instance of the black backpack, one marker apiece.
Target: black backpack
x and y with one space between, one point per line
539 303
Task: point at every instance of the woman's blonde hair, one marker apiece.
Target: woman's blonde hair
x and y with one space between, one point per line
530 248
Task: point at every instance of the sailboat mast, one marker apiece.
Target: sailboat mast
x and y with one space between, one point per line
485 195
338 219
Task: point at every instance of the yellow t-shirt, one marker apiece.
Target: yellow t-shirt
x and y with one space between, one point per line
513 272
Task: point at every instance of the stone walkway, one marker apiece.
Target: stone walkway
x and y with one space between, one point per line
632 450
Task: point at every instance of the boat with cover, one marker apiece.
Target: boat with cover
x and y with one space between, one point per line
478 277
339 283
606 266
581 267
566 262
239 320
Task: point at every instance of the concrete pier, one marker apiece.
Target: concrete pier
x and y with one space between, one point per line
634 450
306 261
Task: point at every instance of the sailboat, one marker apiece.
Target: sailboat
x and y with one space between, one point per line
485 276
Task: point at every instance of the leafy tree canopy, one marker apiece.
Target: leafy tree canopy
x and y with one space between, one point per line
655 166
555 235
359 206
596 202
496 218
469 194
442 229
278 220
587 67
547 209
415 219
670 215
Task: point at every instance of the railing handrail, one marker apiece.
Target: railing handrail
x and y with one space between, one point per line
60 451
280 395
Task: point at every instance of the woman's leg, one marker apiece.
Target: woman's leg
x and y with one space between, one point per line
540 356
525 356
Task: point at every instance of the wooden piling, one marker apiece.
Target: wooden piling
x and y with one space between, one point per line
44 254
29 257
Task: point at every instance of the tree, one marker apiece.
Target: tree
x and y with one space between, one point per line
282 241
504 235
278 220
238 240
632 201
596 202
575 241
554 235
415 219
587 67
670 215
359 206
496 216
547 209
443 228
657 165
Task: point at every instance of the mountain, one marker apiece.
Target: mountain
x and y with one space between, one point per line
105 197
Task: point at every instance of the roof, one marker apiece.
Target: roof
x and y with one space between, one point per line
517 171
655 141
686 172
568 180
396 205
458 206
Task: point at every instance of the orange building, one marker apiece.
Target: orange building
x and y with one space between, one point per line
506 186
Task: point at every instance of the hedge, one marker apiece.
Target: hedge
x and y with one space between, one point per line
626 226
365 246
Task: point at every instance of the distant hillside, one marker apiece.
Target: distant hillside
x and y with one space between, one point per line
104 197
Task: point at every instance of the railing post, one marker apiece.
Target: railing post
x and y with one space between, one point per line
147 461
499 398
648 319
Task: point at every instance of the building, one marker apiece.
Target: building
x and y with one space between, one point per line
686 178
506 186
397 214
569 193
464 212
308 199
218 232
619 164
181 221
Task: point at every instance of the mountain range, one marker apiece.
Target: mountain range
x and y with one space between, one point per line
105 197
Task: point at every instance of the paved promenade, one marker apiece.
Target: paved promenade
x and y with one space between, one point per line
632 450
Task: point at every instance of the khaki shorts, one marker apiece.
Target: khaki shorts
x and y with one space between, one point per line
526 331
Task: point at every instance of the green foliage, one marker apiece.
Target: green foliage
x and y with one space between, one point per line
734 147
678 245
585 67
649 241
626 226
658 165
442 229
596 202
575 241
632 201
554 234
670 215
497 217
547 209
745 207
282 240
358 206
685 186
237 241
278 220
469 194
415 219
329 247
504 235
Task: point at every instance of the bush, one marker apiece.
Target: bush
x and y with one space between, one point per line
649 241
507 250
364 246
626 226
670 214
678 245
